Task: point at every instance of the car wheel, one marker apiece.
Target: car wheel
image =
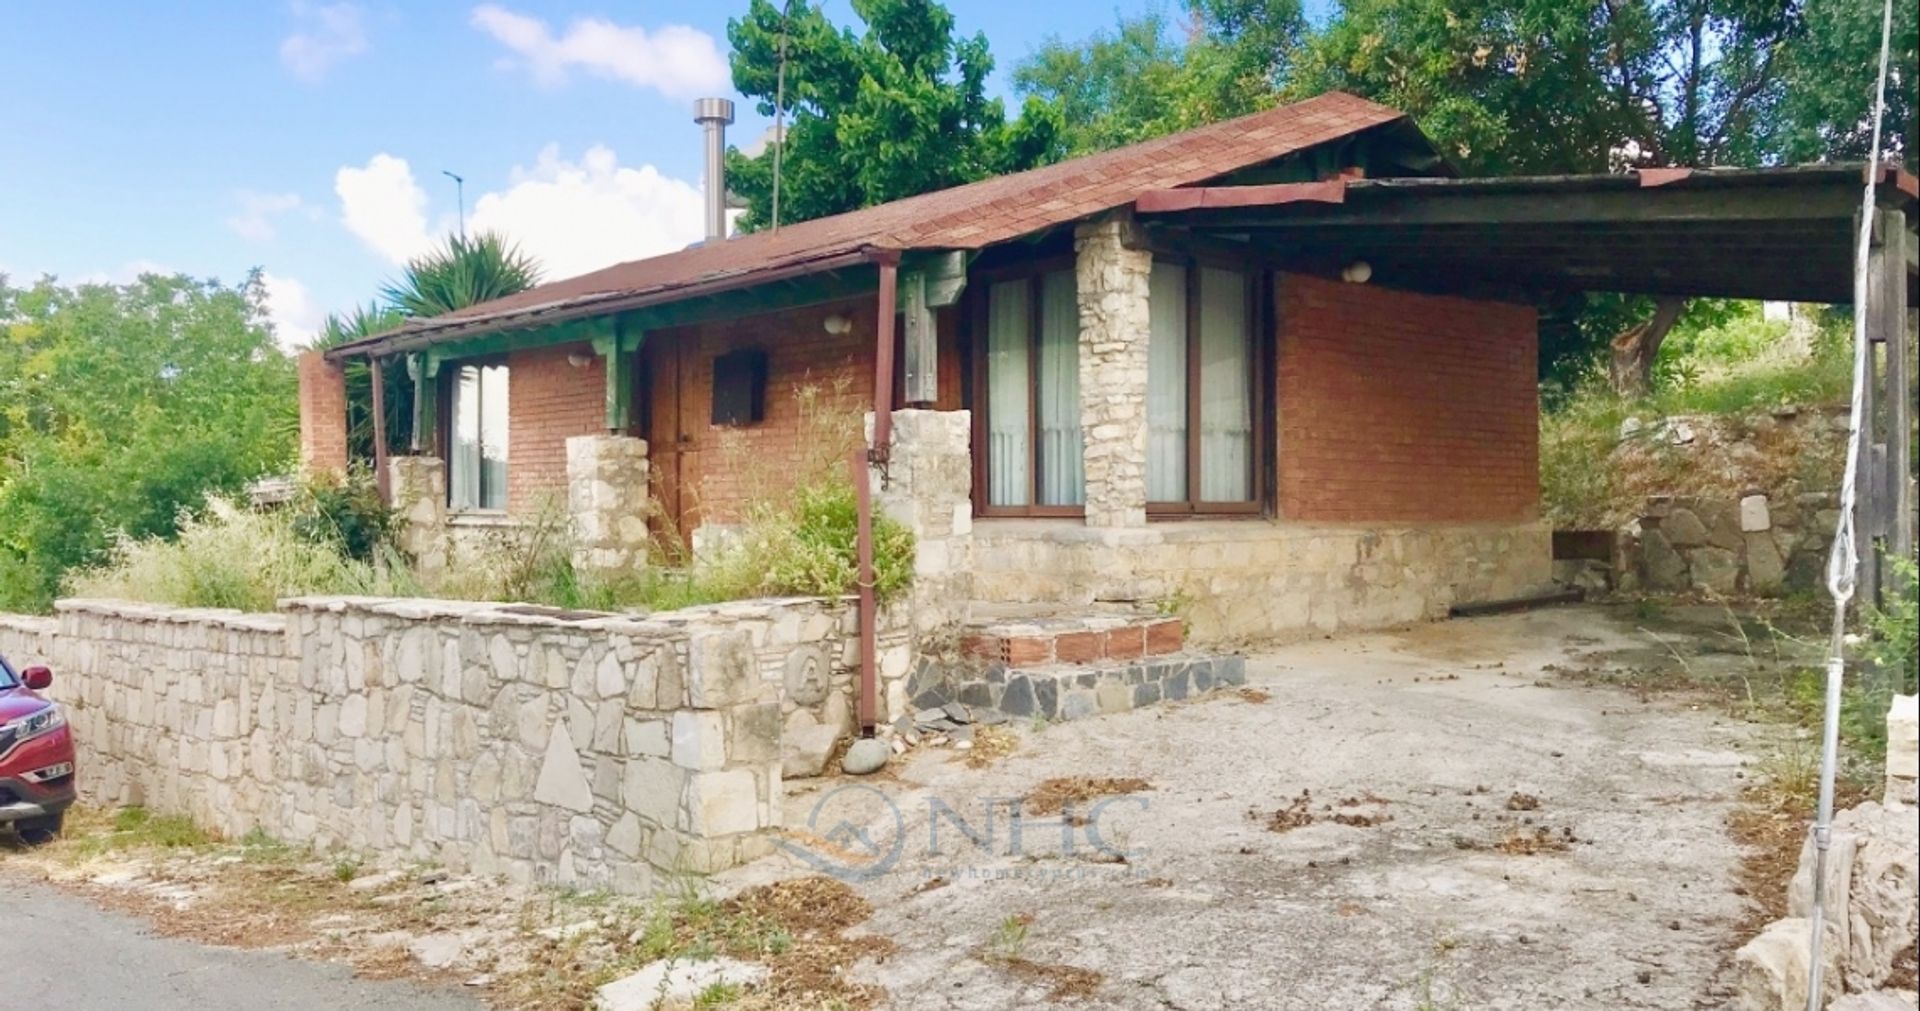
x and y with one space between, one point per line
38 831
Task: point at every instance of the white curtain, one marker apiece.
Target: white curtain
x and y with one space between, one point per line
477 448
1008 427
1167 384
1062 479
1226 402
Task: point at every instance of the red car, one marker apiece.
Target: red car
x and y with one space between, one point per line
36 755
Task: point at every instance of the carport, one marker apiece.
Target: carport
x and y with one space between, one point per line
1776 233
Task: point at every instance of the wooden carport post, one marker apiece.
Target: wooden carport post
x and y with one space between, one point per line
1888 485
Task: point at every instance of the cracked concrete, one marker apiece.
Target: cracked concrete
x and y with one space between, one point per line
1212 910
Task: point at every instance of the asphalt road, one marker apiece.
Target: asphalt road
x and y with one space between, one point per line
70 954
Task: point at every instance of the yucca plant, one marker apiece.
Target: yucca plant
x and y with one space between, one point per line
462 272
366 321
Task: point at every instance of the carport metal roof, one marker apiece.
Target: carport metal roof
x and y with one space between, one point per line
1782 233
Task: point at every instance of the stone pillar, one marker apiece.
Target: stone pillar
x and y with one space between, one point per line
928 488
1112 273
323 415
607 499
420 501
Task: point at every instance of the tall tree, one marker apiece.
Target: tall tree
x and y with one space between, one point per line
1822 108
120 406
896 110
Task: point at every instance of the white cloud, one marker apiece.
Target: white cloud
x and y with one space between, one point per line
259 213
382 205
574 216
295 316
324 35
584 215
675 60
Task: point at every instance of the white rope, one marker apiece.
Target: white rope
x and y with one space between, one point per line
1844 561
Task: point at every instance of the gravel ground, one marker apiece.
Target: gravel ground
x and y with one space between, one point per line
1436 728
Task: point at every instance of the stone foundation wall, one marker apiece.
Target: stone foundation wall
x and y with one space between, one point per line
1261 580
543 745
1757 544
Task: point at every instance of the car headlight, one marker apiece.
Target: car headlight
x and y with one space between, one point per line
46 721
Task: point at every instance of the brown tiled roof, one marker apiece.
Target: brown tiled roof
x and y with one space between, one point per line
972 216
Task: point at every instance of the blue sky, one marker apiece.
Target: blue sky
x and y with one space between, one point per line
307 137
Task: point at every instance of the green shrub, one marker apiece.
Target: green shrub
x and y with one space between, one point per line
346 512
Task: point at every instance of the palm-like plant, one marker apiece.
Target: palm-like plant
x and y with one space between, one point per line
462 272
397 388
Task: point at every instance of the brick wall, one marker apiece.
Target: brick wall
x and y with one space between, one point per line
1396 406
720 466
548 400
323 415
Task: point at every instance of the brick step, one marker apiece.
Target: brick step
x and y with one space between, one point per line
1070 691
1072 639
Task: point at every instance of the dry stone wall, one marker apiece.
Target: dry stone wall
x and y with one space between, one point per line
543 745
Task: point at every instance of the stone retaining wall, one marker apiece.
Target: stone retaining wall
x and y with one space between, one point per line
549 746
1258 579
1758 543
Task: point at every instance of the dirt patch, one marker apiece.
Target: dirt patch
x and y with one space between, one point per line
1254 695
1540 840
1063 982
1523 802
1297 814
1054 795
991 744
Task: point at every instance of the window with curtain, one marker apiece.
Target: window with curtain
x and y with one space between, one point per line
477 438
1200 389
1032 381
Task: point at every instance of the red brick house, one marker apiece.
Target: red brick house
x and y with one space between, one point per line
1279 370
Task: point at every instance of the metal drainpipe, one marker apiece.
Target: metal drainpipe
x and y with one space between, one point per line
889 263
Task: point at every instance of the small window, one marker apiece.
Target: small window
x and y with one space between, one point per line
477 445
1200 389
740 387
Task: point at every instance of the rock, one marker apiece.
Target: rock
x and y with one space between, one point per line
1683 528
1872 866
1630 427
673 985
807 741
957 712
562 782
867 755
1679 432
1755 516
1766 570
1878 1000
962 737
1666 568
928 717
1903 750
1770 972
1716 570
989 717
438 951
375 882
562 932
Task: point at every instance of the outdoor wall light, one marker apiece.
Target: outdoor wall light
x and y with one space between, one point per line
579 359
1357 272
838 324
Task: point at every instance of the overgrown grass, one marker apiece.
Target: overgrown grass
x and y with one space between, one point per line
233 556
796 537
1736 370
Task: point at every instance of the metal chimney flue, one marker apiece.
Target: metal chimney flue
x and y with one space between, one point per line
714 115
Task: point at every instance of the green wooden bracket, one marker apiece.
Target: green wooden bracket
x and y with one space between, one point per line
425 371
616 348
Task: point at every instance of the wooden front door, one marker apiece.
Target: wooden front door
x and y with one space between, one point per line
671 449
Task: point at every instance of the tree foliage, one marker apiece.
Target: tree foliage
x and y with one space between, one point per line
896 110
125 405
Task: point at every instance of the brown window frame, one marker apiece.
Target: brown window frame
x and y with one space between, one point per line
1258 280
978 287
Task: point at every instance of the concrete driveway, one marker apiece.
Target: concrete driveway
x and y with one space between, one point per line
1478 832
70 953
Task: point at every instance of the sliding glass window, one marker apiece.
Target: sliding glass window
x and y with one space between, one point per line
477 441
